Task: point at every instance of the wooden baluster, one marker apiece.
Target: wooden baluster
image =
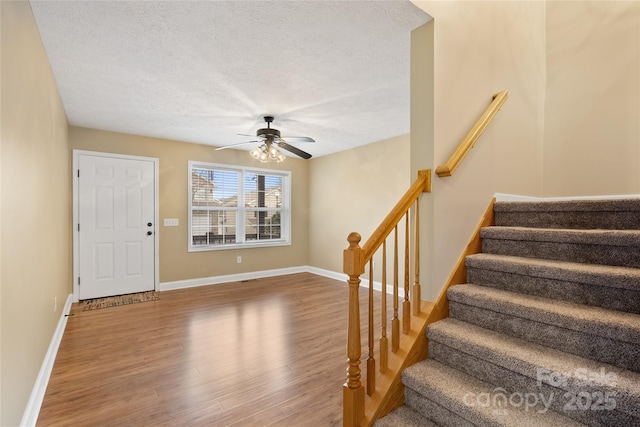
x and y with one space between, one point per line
384 342
406 305
371 361
352 390
416 291
395 322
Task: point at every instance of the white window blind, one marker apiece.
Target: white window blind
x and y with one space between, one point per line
234 207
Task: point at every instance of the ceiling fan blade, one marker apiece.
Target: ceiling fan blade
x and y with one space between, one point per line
233 145
298 139
294 150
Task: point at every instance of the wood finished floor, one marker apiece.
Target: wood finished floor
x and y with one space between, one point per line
267 352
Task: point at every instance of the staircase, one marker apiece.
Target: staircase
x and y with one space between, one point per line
546 332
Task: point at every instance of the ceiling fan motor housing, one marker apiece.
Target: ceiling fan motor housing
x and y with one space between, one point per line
268 132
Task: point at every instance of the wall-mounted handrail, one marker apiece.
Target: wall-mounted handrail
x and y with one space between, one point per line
467 143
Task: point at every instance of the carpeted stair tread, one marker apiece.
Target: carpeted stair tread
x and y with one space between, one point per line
588 237
584 214
591 274
451 389
611 337
583 205
432 411
527 358
611 287
404 416
609 247
592 320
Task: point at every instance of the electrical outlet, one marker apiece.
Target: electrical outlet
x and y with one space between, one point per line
239 260
171 222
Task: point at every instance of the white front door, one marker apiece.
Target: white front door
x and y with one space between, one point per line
116 225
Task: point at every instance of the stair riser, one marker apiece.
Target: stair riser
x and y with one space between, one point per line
591 254
516 385
571 220
602 349
621 214
404 416
432 411
580 293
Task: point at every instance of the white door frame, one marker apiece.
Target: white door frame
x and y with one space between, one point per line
156 214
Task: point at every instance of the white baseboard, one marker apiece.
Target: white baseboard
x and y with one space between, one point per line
377 286
215 280
327 273
32 410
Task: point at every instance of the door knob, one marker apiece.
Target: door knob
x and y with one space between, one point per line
149 224
149 233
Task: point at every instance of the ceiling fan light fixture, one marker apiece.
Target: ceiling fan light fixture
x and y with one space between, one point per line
272 144
275 154
255 153
265 152
263 157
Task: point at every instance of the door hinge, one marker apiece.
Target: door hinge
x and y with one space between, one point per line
78 173
78 280
78 226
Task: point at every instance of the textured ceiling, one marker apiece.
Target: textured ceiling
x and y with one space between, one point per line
205 71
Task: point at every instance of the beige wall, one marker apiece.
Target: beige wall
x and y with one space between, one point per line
353 190
176 263
592 117
422 142
35 247
479 49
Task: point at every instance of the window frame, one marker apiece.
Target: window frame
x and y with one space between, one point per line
242 171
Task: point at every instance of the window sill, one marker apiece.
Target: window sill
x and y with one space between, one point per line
246 245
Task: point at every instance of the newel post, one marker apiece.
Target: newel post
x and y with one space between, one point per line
353 391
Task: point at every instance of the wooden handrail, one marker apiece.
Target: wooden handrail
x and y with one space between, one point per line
421 185
467 143
354 261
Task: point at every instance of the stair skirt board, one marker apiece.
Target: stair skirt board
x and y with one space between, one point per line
546 332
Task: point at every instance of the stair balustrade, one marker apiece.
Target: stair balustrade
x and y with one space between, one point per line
356 258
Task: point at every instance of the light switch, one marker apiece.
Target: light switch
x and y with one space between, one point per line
171 222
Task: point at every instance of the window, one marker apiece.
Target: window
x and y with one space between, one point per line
232 207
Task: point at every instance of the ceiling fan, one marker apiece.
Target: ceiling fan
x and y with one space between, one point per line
270 141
